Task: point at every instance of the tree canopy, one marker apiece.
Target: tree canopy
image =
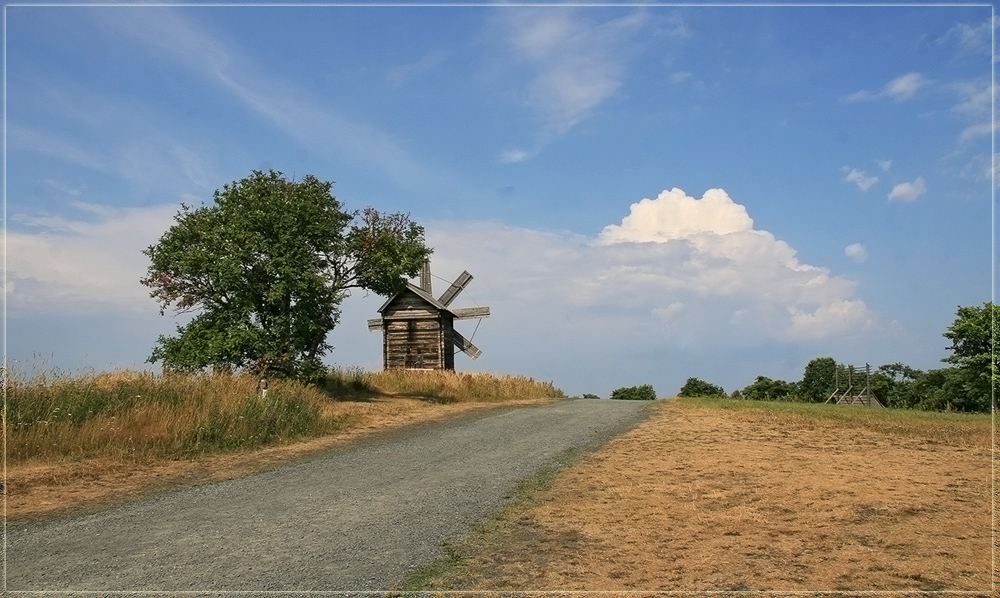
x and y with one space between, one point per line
265 269
968 386
974 347
644 392
695 387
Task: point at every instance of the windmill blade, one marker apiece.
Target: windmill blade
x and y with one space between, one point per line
375 324
465 345
456 287
469 313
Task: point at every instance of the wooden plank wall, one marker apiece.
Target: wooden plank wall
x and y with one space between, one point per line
409 305
414 343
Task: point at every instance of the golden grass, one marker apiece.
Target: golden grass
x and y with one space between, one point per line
136 416
956 429
737 496
78 441
453 387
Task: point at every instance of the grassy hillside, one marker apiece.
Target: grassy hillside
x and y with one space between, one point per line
138 416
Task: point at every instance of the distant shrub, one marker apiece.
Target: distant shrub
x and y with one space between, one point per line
699 388
635 393
587 395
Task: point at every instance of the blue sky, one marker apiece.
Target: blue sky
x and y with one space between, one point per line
643 193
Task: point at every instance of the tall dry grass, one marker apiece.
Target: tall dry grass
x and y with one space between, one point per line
959 429
137 415
130 416
455 387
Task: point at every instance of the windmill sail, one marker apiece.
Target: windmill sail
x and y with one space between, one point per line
468 313
456 287
465 345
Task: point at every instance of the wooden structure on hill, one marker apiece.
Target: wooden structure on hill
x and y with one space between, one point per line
853 387
418 331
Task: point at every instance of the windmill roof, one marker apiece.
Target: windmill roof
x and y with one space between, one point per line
420 293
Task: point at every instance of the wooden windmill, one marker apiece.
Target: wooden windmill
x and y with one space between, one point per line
418 330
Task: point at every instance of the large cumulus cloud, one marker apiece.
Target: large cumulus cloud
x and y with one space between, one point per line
696 268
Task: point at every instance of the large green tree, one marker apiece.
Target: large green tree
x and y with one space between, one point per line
974 347
818 380
264 270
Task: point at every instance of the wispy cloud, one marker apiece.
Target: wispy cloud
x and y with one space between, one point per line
401 74
574 64
90 263
55 146
510 156
975 98
291 109
863 180
971 37
908 191
899 89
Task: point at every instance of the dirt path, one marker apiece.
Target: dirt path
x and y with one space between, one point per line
357 519
699 499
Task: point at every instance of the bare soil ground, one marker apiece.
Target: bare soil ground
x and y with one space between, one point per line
34 491
702 499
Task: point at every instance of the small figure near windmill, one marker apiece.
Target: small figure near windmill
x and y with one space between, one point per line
418 330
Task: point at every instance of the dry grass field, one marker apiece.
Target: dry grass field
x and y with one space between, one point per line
708 498
82 442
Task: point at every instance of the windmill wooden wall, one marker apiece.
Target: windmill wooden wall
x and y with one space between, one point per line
417 333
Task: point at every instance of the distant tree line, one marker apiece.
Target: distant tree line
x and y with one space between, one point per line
968 385
644 392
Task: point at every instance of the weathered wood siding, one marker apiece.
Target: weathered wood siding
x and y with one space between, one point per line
409 305
447 342
413 343
416 335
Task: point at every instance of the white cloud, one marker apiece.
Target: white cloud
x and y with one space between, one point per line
680 76
575 64
904 87
830 319
975 98
674 215
899 89
909 191
511 156
24 138
976 131
400 74
695 267
863 180
279 100
856 252
884 164
92 264
971 37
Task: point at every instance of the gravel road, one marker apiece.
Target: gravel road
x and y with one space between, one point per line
358 519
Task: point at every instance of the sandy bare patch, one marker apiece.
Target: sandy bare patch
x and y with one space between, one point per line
37 490
699 499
